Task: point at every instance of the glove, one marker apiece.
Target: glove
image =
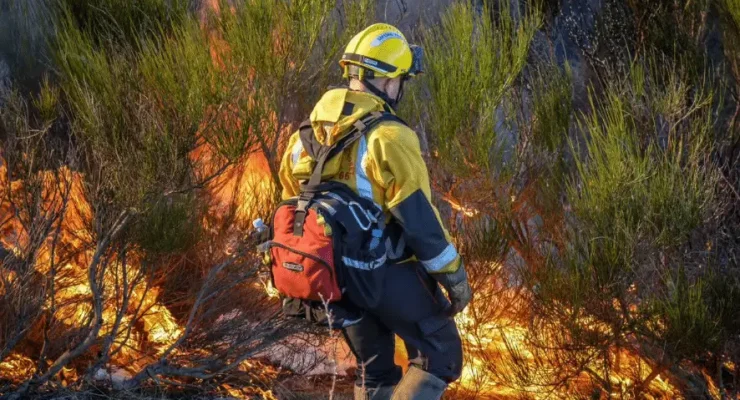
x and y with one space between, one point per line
458 289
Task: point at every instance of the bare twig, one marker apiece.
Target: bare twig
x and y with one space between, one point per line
330 322
205 294
92 335
126 296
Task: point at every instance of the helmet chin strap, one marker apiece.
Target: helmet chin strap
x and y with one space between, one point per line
401 92
383 95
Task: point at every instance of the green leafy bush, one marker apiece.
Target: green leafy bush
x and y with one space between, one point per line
125 22
474 58
607 210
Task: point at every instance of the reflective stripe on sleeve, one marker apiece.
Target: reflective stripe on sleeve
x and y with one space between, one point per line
447 256
297 149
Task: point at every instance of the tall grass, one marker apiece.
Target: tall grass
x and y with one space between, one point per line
286 53
125 22
608 210
474 57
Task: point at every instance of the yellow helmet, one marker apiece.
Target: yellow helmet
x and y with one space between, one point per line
380 50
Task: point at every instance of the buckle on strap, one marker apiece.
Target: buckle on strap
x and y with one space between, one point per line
359 125
300 213
362 123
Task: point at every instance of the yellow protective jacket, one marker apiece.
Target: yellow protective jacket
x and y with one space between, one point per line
386 166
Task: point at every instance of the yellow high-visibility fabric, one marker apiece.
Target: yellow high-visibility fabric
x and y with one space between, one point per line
389 159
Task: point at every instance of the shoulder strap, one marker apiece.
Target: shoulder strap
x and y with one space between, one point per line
322 153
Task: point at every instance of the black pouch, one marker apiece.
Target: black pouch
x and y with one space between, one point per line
309 310
342 313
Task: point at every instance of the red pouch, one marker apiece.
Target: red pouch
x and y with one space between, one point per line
303 267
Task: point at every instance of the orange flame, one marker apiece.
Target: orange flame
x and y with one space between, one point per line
72 254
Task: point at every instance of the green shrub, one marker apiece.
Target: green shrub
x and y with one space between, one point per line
642 193
473 59
125 22
285 55
170 226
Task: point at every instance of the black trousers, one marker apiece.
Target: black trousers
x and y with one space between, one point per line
413 307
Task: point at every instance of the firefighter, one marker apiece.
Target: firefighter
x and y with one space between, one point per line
386 166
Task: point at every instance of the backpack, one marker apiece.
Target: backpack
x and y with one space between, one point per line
328 238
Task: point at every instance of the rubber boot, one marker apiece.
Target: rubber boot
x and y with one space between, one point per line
418 384
378 393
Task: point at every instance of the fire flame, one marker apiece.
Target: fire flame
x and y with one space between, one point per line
483 340
498 340
72 254
147 327
243 185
